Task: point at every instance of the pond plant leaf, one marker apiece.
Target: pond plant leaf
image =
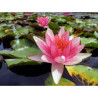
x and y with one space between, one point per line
63 82
22 49
96 34
20 62
53 26
21 31
84 74
89 42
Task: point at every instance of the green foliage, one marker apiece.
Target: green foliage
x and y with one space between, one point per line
21 31
84 74
21 49
6 30
89 42
20 62
53 26
63 82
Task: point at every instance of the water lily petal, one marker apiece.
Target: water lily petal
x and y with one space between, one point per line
36 57
71 37
78 58
66 51
66 35
73 61
74 51
60 59
83 55
47 59
57 71
42 45
75 42
61 32
38 40
48 40
54 50
50 33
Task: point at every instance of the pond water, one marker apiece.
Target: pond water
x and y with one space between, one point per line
24 75
34 75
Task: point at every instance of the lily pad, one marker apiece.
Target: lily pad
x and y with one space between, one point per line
53 26
5 30
20 62
69 28
63 82
21 31
84 74
96 34
4 16
89 42
22 49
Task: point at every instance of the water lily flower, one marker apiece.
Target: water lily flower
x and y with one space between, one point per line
43 21
28 13
59 50
66 13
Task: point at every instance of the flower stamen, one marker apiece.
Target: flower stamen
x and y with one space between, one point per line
61 43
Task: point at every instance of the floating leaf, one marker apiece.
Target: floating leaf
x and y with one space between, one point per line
20 62
60 20
63 82
6 30
96 34
89 49
53 26
21 31
4 16
89 42
84 74
69 28
22 49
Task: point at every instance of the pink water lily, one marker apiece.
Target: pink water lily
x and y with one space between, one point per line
59 50
43 21
66 13
28 13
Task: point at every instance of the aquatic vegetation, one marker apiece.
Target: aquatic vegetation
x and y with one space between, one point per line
59 51
21 49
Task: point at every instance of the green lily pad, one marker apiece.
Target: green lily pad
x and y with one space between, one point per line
89 42
6 30
21 31
69 28
53 26
20 62
60 20
22 49
84 74
63 82
96 34
4 16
